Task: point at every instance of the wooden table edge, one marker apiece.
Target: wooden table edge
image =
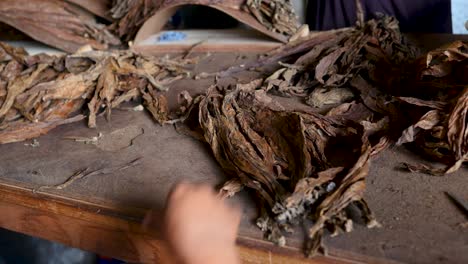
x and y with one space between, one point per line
111 232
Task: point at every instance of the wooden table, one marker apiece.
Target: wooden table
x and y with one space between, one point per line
102 213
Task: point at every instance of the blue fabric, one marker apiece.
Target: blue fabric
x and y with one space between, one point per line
460 16
17 248
171 36
414 15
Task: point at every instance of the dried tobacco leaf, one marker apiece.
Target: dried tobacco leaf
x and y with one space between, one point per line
276 15
130 16
342 57
321 97
427 122
443 130
57 23
156 105
85 173
18 86
457 133
21 130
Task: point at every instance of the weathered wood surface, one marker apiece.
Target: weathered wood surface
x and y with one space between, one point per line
102 213
198 41
101 230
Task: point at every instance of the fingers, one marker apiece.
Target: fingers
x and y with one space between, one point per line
185 187
179 189
195 213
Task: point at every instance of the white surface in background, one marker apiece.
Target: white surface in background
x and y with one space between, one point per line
459 16
33 47
300 9
236 36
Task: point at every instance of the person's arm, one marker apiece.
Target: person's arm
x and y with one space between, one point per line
201 228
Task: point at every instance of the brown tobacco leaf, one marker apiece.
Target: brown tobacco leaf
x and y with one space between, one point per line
157 106
440 61
104 92
285 52
321 97
457 126
130 16
86 174
350 190
426 169
427 122
230 188
22 130
57 23
338 61
276 15
441 133
19 85
438 105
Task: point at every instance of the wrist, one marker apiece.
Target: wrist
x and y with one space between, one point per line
227 255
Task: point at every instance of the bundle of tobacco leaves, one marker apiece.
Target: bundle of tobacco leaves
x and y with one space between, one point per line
305 167
276 15
38 93
57 23
438 93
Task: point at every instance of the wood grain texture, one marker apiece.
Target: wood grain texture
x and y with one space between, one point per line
199 41
78 227
88 228
204 47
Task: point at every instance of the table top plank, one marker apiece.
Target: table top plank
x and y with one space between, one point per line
418 220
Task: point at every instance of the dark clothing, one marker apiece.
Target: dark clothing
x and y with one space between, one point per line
414 15
18 248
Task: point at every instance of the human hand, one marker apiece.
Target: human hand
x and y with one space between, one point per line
200 227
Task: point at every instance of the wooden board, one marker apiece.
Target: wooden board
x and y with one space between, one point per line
225 40
90 227
419 222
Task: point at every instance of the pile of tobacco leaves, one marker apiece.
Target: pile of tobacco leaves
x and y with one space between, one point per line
365 86
41 92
